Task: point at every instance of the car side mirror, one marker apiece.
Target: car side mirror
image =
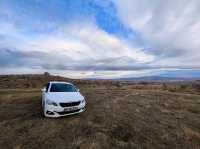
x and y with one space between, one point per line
43 90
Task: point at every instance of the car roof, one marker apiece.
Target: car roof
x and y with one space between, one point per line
61 82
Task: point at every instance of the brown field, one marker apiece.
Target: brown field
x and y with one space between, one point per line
119 115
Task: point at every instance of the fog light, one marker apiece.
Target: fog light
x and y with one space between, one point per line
50 113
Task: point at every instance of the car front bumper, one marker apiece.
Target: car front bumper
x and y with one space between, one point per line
58 111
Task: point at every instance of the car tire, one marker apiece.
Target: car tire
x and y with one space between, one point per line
43 110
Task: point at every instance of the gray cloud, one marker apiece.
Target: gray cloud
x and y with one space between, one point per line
86 47
47 61
17 58
36 59
169 28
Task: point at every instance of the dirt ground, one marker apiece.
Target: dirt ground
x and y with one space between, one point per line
117 117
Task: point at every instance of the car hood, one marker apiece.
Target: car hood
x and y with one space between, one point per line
64 97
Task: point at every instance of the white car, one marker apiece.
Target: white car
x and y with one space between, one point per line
61 99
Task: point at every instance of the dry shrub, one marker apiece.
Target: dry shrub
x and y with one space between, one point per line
191 134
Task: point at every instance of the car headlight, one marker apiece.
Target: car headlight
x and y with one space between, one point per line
83 101
49 102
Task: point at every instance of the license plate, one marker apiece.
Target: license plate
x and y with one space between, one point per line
71 109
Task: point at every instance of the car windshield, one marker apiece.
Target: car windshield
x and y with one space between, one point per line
62 87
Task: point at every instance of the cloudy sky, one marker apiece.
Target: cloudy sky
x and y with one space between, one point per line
100 38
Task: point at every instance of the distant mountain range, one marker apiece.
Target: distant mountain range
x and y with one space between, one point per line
150 78
158 78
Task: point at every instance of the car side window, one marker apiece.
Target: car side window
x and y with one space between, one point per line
47 87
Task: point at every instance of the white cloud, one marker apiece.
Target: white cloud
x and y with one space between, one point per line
170 28
83 41
78 44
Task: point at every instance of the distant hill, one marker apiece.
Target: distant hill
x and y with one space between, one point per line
28 80
39 80
157 78
148 78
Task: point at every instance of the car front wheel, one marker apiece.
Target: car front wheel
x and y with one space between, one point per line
43 109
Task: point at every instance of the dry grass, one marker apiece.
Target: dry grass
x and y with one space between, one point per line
117 116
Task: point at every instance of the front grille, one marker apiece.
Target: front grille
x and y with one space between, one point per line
68 112
70 104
